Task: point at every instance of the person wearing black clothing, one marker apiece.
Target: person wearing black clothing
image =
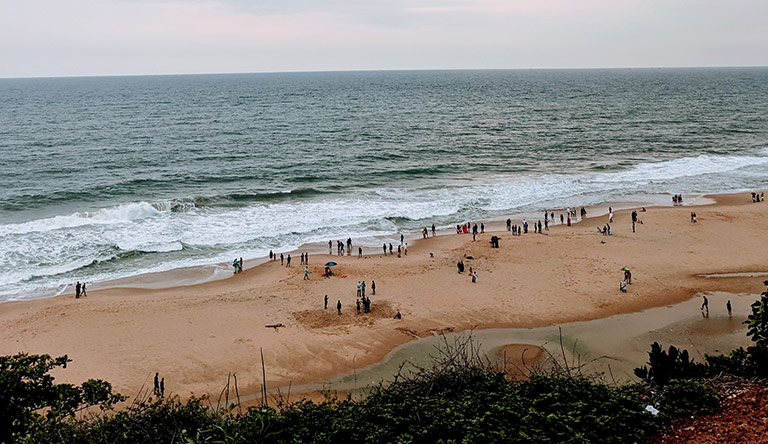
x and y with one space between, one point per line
338 306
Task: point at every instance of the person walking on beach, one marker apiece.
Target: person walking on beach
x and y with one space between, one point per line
282 261
373 287
288 261
302 259
157 384
539 227
362 289
306 258
359 252
705 306
330 247
401 238
610 217
728 307
433 230
482 227
385 249
561 218
474 277
270 255
398 251
390 248
357 303
326 303
405 249
634 219
338 306
359 289
306 273
162 388
83 292
509 224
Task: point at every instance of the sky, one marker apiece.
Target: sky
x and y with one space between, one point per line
41 38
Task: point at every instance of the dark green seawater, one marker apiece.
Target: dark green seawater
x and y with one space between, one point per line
111 177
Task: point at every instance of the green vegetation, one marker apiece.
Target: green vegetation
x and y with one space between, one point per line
462 398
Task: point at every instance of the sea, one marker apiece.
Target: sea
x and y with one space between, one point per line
105 178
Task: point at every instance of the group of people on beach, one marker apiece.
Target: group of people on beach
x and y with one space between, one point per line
80 290
237 264
758 197
705 307
677 199
425 233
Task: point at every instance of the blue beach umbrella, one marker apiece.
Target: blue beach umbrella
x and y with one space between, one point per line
330 264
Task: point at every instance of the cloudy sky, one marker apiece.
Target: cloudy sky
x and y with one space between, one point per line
101 37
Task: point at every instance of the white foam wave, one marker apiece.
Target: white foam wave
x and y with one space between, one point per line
53 252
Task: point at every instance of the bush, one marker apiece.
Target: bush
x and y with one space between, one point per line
684 397
665 366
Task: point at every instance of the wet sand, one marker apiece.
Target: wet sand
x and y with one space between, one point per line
195 335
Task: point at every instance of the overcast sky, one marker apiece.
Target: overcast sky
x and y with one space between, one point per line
102 37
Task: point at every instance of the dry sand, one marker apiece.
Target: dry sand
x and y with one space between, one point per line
195 335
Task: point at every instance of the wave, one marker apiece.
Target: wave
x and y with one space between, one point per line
130 238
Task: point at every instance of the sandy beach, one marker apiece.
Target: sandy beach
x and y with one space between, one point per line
195 335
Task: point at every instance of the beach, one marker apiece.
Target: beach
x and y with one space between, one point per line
194 336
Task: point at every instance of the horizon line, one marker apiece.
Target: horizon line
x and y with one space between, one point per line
211 73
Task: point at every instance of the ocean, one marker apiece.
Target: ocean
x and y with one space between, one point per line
111 177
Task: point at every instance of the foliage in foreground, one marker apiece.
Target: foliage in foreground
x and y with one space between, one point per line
462 398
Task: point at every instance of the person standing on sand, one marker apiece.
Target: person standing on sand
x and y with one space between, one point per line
546 224
162 388
357 303
405 250
433 230
385 249
373 287
539 227
157 384
705 306
282 261
288 261
359 252
362 289
330 247
482 227
474 277
401 238
302 259
306 273
326 303
338 306
306 258
634 219
509 224
359 289
610 217
728 307
398 251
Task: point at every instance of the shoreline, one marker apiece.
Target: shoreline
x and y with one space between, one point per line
190 275
198 333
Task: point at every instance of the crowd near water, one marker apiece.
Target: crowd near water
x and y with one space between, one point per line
115 177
